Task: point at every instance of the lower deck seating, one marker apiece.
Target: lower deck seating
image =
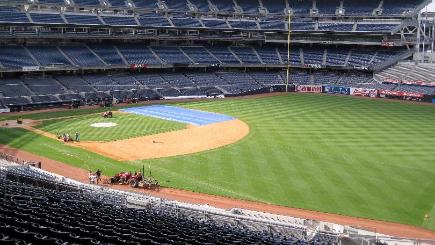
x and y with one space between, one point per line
36 208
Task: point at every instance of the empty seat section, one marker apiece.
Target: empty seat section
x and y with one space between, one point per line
101 82
224 5
178 80
275 6
44 99
215 23
119 21
246 55
360 7
87 2
138 54
153 21
399 7
268 55
360 58
302 26
186 22
126 82
13 88
301 7
199 55
81 56
15 57
16 101
327 7
171 55
107 53
376 27
12 15
295 56
249 6
313 55
75 83
58 2
82 19
339 27
336 57
243 24
117 3
44 86
177 5
48 56
202 5
224 55
151 80
273 25
151 4
46 18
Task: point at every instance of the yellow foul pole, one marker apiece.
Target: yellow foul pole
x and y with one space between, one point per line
288 51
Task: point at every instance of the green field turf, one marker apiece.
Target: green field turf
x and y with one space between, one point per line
128 126
358 157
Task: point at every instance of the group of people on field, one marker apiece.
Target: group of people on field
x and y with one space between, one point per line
95 177
107 114
66 137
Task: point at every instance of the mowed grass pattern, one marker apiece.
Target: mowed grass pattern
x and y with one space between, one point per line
343 155
128 126
358 157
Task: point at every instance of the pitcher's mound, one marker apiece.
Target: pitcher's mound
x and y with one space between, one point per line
104 125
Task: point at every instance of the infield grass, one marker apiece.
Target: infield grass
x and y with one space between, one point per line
127 126
345 155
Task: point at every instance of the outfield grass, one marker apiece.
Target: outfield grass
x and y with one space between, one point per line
128 126
358 157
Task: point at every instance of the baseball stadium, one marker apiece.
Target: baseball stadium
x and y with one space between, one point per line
217 122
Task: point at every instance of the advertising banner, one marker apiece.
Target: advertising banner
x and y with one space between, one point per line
366 92
309 89
336 90
384 93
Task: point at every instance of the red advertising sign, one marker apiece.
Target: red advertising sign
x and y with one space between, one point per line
309 89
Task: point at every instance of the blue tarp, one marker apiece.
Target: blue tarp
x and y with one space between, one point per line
179 114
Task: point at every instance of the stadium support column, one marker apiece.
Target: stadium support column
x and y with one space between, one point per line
288 50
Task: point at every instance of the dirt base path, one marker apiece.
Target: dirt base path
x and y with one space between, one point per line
387 228
181 142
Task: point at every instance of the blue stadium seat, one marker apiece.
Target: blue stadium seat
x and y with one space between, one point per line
81 56
186 22
138 54
15 57
47 18
275 6
48 56
171 55
119 20
215 23
153 21
202 5
200 55
82 19
107 53
224 55
12 15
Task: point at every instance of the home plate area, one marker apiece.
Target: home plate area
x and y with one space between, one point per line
205 131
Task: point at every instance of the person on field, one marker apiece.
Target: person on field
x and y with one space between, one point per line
77 137
98 174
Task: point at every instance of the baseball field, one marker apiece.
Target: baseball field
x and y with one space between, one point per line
352 156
